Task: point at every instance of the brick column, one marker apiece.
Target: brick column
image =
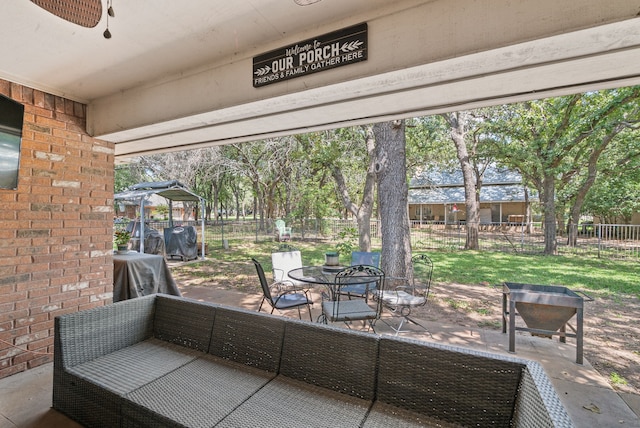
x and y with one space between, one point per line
56 234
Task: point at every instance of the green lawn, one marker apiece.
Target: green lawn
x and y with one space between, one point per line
474 267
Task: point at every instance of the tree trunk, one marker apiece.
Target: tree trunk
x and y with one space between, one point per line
549 209
581 194
236 197
528 221
363 212
216 202
457 123
392 198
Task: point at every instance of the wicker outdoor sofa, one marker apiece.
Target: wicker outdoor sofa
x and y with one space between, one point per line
169 361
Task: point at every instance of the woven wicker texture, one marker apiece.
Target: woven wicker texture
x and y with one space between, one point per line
101 331
181 322
285 403
110 372
130 368
88 403
84 336
458 387
86 13
385 416
198 394
343 361
537 404
249 338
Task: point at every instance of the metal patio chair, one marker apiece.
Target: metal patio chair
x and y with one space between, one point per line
282 262
339 308
281 300
403 298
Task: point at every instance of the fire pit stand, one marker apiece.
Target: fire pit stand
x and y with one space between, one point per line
545 309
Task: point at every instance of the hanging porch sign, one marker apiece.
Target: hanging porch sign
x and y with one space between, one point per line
342 47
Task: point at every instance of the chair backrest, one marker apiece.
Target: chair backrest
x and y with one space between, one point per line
280 224
263 281
359 274
422 274
365 258
283 262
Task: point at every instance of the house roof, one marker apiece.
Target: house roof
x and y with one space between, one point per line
451 195
493 175
435 186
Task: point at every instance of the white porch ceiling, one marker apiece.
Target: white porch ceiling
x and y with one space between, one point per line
178 74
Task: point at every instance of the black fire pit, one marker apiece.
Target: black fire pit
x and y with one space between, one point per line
545 309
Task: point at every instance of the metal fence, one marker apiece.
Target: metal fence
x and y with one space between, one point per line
599 240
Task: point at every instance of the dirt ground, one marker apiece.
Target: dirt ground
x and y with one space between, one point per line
611 326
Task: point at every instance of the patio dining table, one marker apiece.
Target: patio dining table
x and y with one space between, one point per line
326 276
322 275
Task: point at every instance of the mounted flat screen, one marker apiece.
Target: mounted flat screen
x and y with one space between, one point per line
11 120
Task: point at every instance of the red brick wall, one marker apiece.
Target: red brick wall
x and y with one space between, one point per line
56 234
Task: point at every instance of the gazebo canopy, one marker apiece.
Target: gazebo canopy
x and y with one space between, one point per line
172 190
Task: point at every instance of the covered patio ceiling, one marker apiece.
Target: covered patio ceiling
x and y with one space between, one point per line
178 75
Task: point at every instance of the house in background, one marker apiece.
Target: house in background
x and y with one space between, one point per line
131 210
436 195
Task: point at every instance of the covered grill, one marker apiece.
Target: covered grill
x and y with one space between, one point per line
546 310
172 191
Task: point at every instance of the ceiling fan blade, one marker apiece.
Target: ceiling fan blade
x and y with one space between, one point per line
86 13
305 2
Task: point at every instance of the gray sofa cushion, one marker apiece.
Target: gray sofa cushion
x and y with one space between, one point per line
124 370
289 403
384 415
198 394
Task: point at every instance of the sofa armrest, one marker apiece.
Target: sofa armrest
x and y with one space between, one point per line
537 404
86 335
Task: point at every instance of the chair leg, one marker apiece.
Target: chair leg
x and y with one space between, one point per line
408 320
310 316
261 302
411 320
399 326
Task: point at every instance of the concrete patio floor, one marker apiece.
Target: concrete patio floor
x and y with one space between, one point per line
25 398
